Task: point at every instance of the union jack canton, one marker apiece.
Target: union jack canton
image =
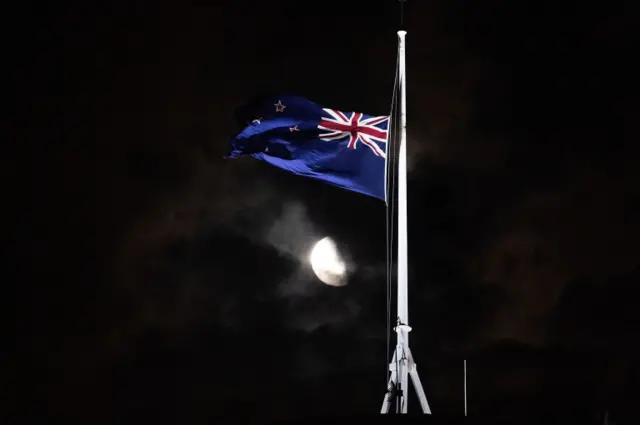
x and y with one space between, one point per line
356 126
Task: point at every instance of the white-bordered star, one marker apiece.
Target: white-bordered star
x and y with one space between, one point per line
279 106
294 128
257 120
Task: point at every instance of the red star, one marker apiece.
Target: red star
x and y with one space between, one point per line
279 106
294 128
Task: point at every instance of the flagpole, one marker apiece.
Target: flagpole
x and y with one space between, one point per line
402 365
403 306
402 327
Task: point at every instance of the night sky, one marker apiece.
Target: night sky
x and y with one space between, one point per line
152 280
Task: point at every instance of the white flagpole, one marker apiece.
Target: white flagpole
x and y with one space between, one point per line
402 327
402 365
403 306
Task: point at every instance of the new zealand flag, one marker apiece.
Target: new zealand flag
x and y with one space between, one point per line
346 149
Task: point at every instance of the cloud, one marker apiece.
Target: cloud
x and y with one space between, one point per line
309 304
550 238
598 313
292 233
175 277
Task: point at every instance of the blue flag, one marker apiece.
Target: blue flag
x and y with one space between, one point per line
346 149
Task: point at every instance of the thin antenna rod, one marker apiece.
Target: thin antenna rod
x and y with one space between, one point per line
465 388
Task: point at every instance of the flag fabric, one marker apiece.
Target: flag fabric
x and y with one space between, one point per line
346 149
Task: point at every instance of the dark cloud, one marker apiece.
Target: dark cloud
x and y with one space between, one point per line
550 238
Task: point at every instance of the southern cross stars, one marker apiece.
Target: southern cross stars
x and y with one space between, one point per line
279 106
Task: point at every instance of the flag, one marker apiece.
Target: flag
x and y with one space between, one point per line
346 149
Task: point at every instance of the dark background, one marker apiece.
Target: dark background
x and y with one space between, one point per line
151 280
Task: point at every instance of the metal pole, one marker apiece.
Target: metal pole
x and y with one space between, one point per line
403 308
402 327
402 366
465 388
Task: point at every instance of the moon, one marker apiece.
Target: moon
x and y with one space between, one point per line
327 264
